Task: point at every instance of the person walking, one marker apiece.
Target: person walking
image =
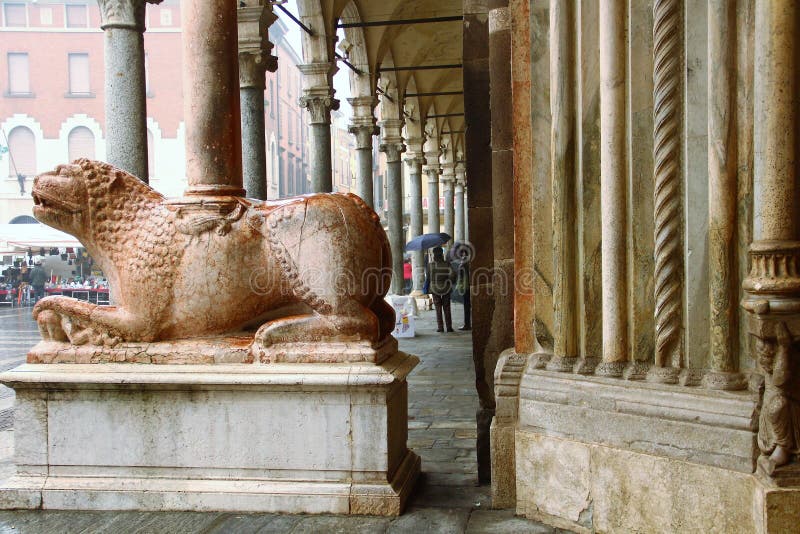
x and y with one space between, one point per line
441 277
38 280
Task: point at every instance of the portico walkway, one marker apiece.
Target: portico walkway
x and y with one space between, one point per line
442 405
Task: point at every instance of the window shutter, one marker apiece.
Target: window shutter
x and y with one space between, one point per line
18 78
80 143
79 74
22 146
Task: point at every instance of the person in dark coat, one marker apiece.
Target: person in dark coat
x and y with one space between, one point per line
38 280
440 281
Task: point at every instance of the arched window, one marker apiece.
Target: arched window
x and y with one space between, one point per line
22 148
80 143
151 155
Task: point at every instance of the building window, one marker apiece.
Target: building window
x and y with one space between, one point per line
271 99
15 15
166 16
22 147
290 126
80 143
19 82
77 16
79 74
45 16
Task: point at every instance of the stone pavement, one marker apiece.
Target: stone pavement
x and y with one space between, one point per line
442 405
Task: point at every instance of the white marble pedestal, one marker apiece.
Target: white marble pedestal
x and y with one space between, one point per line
290 438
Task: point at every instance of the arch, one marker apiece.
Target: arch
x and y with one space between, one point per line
356 51
80 143
81 120
22 152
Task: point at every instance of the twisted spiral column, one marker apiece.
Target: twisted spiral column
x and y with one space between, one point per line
668 228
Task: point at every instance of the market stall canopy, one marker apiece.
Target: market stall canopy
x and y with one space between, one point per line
17 238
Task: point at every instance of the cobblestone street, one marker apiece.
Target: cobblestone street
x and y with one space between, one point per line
442 405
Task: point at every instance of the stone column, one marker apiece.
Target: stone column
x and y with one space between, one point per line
563 140
211 98
318 100
363 128
414 162
254 60
722 198
432 171
459 202
122 22
392 145
667 102
448 183
772 288
613 191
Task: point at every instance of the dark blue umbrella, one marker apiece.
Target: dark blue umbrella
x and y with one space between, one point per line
421 242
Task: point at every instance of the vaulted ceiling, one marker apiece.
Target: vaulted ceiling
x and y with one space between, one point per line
412 39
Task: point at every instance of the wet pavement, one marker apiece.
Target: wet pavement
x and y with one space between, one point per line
442 406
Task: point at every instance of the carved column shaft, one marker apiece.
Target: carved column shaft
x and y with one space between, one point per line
394 199
667 101
562 177
363 128
613 190
448 185
318 100
415 217
722 198
211 98
433 199
776 191
254 60
459 203
125 108
363 135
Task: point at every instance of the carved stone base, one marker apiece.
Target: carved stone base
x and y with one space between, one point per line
561 364
611 369
288 438
724 381
596 454
636 370
218 350
585 366
663 375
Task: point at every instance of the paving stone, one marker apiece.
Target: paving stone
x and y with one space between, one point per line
333 524
503 522
253 523
469 497
441 521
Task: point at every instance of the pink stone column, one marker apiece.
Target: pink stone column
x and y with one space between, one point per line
524 300
211 98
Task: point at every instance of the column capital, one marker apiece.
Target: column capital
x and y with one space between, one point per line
126 14
319 106
433 172
363 134
460 187
255 56
392 149
413 159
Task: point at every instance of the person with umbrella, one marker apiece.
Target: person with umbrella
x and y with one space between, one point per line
441 277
